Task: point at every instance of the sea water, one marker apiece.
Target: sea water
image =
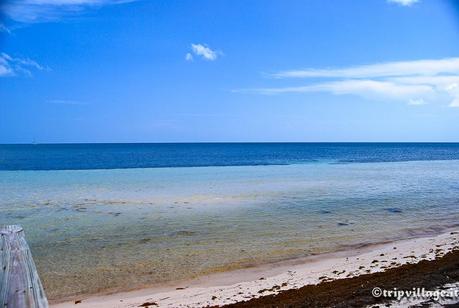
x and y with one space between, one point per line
118 216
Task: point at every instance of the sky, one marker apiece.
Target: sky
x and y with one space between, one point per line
229 71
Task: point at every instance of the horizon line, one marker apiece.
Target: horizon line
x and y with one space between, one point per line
231 142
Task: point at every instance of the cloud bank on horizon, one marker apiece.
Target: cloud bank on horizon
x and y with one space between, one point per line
414 82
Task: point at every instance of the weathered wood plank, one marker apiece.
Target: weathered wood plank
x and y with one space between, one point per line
20 286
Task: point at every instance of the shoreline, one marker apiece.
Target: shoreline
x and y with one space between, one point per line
418 284
237 286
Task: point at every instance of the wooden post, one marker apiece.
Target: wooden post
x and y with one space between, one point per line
20 286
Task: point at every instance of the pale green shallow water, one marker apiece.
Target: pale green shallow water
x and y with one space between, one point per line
96 230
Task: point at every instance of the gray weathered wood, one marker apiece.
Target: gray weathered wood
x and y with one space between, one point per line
20 286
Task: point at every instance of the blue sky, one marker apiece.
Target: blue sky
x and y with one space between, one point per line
197 71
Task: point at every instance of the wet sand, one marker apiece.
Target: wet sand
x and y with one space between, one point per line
339 279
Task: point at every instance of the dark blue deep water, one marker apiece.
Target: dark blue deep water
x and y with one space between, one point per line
151 155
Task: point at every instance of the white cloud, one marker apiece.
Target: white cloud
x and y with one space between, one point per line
387 69
10 66
455 103
375 89
203 51
416 101
414 82
363 87
404 2
189 56
47 10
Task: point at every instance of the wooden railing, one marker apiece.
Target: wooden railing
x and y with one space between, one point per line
20 286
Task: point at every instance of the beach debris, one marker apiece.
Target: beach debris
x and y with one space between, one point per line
78 302
275 288
262 291
148 304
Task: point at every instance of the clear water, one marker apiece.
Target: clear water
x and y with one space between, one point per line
116 229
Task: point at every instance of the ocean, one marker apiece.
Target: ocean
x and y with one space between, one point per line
155 155
102 217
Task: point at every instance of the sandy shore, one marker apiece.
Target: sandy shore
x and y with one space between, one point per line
249 284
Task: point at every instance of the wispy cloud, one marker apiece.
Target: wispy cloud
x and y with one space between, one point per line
203 51
46 10
416 102
65 102
414 82
4 29
402 68
10 66
404 2
366 88
189 56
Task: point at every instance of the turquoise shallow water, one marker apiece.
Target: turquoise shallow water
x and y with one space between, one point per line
94 230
